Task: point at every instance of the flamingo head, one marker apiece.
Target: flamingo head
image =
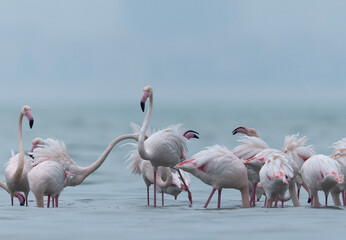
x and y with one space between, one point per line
21 198
147 92
190 134
36 142
26 111
245 130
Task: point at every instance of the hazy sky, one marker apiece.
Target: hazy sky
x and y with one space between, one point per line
189 50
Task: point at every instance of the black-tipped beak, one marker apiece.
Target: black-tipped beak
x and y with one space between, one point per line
31 123
143 106
195 136
235 131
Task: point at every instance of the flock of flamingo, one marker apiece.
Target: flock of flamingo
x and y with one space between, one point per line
160 157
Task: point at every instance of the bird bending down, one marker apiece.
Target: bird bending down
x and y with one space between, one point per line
19 195
339 155
163 148
320 172
55 150
47 179
220 168
274 176
168 180
19 165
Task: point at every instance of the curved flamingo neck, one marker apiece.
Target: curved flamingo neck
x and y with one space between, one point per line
86 171
169 177
20 166
141 147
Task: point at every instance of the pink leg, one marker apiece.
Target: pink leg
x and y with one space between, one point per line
211 195
148 196
253 194
312 200
219 198
265 202
154 188
163 201
298 193
187 188
175 197
343 197
53 202
282 204
57 200
269 203
326 200
48 201
276 200
12 200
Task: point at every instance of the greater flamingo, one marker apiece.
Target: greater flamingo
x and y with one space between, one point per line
220 168
19 165
251 145
339 155
163 148
47 179
20 196
274 176
168 180
320 172
55 150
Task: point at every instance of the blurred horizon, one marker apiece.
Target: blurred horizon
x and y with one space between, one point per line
76 52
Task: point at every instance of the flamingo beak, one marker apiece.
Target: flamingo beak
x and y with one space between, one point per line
191 134
144 99
240 129
30 118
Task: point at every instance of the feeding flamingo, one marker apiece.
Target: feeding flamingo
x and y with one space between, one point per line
275 175
55 150
19 165
339 155
19 195
168 180
320 172
163 148
219 167
47 179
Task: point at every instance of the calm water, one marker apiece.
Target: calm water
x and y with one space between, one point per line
111 203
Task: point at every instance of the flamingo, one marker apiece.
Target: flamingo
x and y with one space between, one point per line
274 176
339 155
320 172
20 196
163 148
47 179
251 145
19 165
219 167
55 150
172 184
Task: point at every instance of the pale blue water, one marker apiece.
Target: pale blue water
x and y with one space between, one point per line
111 203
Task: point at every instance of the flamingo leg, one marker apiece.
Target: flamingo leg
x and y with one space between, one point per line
154 188
48 201
187 188
298 193
343 197
57 200
163 200
326 200
12 200
211 195
282 203
253 193
276 200
219 198
53 202
148 195
265 201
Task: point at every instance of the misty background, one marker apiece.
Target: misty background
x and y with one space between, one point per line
189 51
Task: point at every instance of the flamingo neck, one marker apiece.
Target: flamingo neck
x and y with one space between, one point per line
141 147
164 172
85 172
20 165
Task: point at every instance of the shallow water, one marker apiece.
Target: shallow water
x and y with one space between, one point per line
111 203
